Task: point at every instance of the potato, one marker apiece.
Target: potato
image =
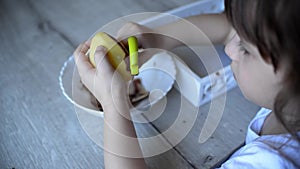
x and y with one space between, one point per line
116 53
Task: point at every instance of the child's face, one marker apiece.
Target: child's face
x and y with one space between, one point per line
256 78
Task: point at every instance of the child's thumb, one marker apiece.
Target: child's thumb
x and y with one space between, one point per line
101 59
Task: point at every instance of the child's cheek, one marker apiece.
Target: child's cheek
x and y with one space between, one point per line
243 78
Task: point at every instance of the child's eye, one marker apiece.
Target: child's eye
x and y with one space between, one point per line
243 49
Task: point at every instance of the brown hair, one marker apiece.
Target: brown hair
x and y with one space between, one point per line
274 27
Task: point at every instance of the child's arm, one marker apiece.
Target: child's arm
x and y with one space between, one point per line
110 90
120 138
214 26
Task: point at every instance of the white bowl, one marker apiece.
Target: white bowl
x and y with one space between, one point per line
157 76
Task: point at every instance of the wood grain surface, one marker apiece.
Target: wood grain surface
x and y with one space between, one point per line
39 127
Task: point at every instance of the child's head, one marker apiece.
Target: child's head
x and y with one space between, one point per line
265 54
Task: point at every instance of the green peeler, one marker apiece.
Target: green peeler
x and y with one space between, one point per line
133 55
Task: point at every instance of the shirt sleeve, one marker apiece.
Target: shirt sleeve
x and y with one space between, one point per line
255 155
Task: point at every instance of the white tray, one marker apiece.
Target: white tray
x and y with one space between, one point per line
198 90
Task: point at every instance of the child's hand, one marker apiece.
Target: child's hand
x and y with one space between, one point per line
104 81
140 31
147 39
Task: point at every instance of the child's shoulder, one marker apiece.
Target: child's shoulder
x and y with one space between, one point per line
267 152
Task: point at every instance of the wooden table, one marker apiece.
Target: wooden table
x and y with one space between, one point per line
39 127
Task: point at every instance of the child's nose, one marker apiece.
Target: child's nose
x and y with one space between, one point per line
232 50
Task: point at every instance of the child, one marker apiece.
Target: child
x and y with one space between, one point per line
262 39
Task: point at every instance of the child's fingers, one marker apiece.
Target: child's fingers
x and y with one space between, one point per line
101 60
125 31
83 64
83 47
129 29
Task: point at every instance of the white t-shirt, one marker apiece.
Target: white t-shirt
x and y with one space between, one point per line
266 151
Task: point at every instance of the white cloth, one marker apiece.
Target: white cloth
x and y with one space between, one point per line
266 151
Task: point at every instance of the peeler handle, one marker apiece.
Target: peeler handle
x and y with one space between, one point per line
133 55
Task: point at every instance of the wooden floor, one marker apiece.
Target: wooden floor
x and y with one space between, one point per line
39 127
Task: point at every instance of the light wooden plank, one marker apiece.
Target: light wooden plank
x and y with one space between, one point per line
79 19
39 127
